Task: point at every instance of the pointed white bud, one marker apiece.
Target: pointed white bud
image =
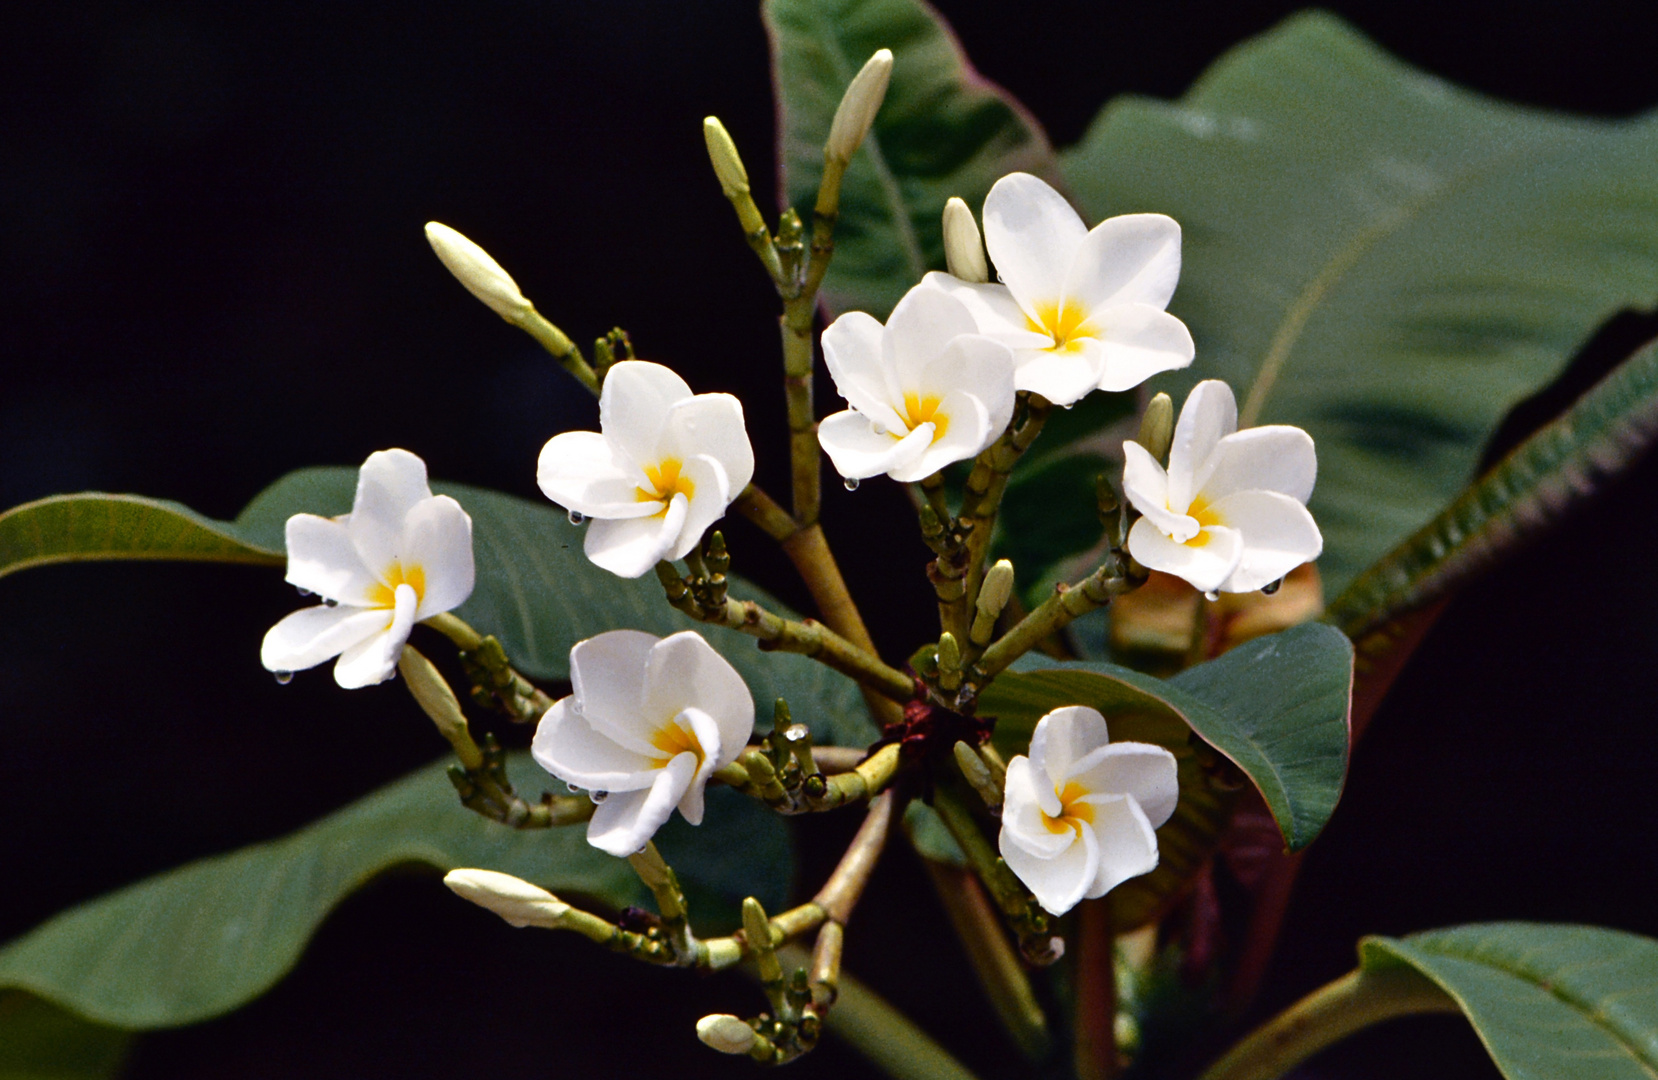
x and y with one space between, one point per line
858 107
722 152
726 1033
963 246
482 275
514 899
996 590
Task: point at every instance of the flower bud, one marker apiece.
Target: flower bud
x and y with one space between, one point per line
858 107
432 693
1157 426
996 590
726 1033
722 152
482 275
963 246
515 900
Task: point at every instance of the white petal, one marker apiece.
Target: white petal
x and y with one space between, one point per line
712 424
993 308
1209 415
607 674
708 737
1127 844
1142 770
630 547
438 539
1064 737
374 660
1032 234
1204 567
311 635
1057 883
634 404
1278 536
1023 823
1131 259
683 671
857 451
1276 457
918 330
567 745
322 560
1063 376
969 430
852 352
625 822
1147 487
389 485
1141 341
581 471
975 365
714 492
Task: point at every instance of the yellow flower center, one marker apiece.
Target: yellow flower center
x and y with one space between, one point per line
1206 516
1072 812
385 594
920 410
673 740
1064 321
666 481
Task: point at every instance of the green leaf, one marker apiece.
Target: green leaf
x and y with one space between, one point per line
39 1041
1561 464
942 131
1276 706
210 936
1379 257
540 595
92 526
1550 1002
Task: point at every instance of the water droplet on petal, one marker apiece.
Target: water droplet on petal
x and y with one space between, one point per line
330 603
598 796
304 592
577 519
573 789
1211 595
796 732
1272 587
852 483
283 678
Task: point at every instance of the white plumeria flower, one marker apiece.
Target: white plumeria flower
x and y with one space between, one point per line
1081 308
662 468
400 556
1229 514
1080 812
926 389
650 720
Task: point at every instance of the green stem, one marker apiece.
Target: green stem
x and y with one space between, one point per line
1114 577
1326 1016
986 484
558 343
1017 905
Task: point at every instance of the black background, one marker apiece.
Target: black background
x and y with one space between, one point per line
212 272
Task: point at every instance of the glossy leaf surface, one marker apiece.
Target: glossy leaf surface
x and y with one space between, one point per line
208 937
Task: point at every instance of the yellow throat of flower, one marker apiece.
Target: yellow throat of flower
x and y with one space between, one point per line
673 740
1072 812
1206 516
1066 321
384 594
920 410
666 480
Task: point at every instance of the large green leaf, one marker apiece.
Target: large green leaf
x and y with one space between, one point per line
39 1041
1277 706
1559 465
1550 1002
535 590
942 131
1379 257
209 936
92 527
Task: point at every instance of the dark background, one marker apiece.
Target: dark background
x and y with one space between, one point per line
212 272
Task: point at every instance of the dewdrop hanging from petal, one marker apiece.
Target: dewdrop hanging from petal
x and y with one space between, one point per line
400 556
926 389
663 467
650 720
1080 813
1081 308
1229 513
